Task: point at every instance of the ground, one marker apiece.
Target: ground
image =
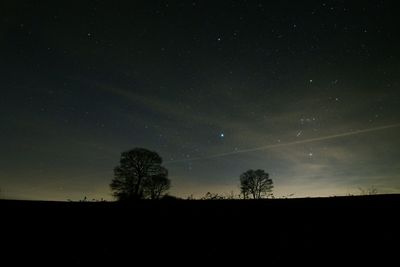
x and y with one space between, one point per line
343 230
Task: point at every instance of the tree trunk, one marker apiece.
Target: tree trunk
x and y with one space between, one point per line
137 188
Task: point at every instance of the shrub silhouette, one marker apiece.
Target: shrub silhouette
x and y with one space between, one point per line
368 191
212 196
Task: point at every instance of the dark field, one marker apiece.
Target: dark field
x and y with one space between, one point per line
322 231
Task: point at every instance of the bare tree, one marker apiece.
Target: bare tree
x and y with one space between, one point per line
255 184
139 175
156 186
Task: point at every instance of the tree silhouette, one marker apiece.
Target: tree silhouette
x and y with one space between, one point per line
155 186
255 184
139 175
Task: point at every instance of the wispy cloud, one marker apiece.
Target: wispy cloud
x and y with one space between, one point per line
304 141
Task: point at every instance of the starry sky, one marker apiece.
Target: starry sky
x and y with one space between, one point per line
306 90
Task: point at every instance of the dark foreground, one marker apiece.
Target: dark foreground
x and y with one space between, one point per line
322 231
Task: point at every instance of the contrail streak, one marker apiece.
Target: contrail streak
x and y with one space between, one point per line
305 141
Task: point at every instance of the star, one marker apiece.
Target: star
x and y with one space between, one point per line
175 94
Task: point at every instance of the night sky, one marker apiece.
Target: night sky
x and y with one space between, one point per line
306 90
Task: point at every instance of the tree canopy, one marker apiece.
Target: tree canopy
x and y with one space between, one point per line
255 184
140 175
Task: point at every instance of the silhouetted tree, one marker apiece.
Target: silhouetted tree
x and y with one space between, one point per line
139 175
255 184
155 186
